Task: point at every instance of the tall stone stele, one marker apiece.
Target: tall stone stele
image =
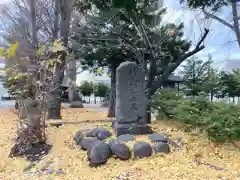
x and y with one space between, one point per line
131 100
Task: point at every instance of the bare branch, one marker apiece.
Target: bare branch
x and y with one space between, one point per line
174 65
218 19
235 21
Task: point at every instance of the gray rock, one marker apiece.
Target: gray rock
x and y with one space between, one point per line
155 137
121 150
126 137
99 132
76 104
99 154
113 124
88 143
78 137
93 132
112 142
103 133
132 128
142 149
161 148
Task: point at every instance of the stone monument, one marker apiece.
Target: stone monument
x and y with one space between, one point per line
131 100
76 101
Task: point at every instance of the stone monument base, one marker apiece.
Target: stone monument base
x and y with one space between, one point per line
132 128
76 104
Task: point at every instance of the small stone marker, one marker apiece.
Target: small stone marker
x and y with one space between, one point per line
131 101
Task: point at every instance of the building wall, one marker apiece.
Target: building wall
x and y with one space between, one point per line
87 76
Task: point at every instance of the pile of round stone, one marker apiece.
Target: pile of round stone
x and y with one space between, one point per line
99 151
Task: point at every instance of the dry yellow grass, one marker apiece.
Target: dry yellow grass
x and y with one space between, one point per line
177 165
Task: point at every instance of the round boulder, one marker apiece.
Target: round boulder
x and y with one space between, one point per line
161 148
99 132
121 150
98 154
103 133
76 104
112 142
78 137
142 149
88 143
155 137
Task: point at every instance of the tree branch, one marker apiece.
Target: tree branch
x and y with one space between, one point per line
235 21
174 65
218 19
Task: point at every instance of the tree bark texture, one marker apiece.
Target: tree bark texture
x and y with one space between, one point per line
112 98
54 110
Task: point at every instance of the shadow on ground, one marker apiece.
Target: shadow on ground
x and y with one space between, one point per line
34 153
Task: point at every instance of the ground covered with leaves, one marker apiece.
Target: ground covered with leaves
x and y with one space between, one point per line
198 158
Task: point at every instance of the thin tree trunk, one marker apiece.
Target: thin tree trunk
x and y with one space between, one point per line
150 92
211 96
56 20
112 98
54 110
236 26
33 106
72 74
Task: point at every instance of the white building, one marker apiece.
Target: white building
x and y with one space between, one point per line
91 77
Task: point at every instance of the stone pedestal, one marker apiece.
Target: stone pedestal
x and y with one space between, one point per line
130 128
76 104
131 100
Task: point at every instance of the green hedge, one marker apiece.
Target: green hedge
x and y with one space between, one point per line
220 120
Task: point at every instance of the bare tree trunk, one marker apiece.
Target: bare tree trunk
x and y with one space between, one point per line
112 98
211 96
235 26
150 91
236 20
54 111
72 74
33 106
33 23
56 20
